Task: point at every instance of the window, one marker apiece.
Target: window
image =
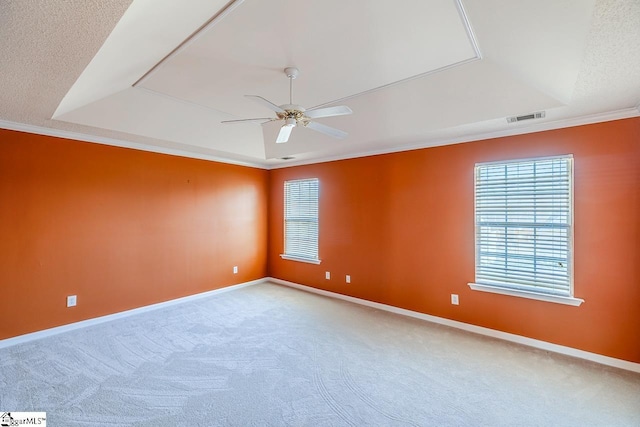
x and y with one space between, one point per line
523 218
301 220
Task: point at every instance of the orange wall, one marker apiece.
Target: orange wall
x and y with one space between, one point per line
402 225
124 228
119 228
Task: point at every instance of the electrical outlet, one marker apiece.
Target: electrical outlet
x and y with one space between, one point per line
348 279
72 300
454 299
235 269
327 275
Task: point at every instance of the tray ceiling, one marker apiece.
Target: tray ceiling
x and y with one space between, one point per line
428 73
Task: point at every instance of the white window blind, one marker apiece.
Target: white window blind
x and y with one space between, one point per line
301 218
524 225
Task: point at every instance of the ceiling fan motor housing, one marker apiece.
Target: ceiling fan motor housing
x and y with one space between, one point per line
292 72
291 112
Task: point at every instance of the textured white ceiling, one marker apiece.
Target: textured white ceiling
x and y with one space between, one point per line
81 59
610 69
44 46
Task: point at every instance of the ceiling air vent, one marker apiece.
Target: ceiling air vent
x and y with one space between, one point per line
515 119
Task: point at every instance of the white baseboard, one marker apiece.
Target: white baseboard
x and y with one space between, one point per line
109 317
543 345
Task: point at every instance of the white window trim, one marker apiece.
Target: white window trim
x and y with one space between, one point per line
290 257
526 294
300 259
568 300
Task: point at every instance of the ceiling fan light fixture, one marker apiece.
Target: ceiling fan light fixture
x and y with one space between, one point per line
293 114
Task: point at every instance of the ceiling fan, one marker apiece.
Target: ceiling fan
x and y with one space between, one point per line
295 115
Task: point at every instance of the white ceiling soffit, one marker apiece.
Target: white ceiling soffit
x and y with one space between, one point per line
411 74
140 112
147 32
241 52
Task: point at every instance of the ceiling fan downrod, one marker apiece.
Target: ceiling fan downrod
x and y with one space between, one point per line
292 73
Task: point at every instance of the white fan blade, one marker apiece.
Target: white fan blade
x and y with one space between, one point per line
264 119
340 110
283 136
327 130
270 105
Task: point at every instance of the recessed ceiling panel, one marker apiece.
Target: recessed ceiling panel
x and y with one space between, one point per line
342 48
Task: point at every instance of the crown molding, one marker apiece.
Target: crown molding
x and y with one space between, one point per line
467 26
521 130
214 20
83 137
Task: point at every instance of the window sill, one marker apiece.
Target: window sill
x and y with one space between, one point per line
525 294
294 258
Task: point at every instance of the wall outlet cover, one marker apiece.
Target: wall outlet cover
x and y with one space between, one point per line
72 300
454 299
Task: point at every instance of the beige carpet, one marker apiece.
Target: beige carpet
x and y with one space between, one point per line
268 355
